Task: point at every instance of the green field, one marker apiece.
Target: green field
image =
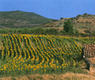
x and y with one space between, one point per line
25 53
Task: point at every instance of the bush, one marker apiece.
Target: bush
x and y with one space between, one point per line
51 31
38 31
68 27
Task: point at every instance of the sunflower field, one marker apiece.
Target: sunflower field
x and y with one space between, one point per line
39 53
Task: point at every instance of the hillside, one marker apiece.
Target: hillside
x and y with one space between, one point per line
21 19
82 23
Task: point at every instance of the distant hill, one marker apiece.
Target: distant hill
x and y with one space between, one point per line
82 23
21 19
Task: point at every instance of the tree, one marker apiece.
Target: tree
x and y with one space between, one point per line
68 26
78 16
85 14
61 18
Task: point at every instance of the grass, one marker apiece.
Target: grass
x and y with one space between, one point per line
66 76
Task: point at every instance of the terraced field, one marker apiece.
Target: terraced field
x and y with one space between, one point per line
39 53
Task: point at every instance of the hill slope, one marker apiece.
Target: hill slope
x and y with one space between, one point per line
21 19
82 23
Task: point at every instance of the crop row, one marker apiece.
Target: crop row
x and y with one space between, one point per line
38 53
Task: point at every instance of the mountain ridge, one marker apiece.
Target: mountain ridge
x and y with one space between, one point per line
21 19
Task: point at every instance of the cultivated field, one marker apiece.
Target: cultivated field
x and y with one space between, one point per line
31 54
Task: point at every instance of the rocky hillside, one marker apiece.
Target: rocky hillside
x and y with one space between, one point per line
83 23
21 19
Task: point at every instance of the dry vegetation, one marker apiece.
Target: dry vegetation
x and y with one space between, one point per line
67 76
80 23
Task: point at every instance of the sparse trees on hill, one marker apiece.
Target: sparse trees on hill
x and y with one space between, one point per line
68 27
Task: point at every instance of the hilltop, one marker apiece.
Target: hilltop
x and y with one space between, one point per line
81 23
21 19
